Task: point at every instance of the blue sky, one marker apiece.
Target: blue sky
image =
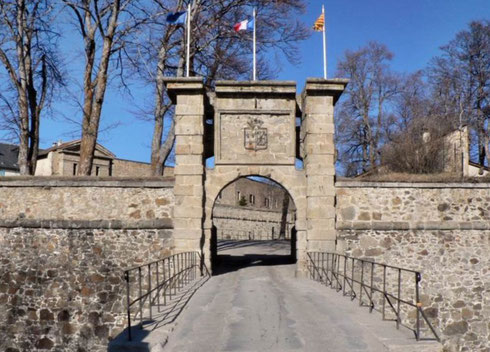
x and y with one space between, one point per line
412 29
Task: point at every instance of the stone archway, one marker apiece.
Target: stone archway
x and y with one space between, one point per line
251 128
216 184
291 180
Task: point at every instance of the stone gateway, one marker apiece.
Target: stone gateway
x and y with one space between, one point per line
65 242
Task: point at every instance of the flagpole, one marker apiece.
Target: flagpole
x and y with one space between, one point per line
188 39
324 44
254 49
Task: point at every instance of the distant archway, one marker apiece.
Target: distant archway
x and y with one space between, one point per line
253 222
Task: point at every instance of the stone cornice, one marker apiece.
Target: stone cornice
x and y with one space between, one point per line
370 184
255 87
405 225
329 87
87 181
155 224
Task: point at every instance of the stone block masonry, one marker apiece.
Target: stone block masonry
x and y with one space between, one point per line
317 133
247 223
189 96
442 230
64 245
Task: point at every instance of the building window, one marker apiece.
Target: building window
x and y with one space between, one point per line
97 170
2 172
75 165
266 202
252 199
238 194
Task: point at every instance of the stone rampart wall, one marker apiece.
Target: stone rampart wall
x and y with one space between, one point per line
442 230
64 246
125 201
246 223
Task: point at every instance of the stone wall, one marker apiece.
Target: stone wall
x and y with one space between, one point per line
442 230
116 202
247 223
64 246
130 168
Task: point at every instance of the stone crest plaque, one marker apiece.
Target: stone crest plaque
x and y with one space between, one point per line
255 136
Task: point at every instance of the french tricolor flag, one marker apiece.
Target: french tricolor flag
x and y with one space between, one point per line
244 25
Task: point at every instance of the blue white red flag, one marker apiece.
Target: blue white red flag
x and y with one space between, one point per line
247 25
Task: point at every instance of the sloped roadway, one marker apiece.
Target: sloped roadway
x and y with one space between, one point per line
256 304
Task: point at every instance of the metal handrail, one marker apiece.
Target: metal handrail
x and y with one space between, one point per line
326 267
171 273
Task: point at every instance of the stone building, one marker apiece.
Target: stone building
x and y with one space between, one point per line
8 160
62 159
257 194
249 209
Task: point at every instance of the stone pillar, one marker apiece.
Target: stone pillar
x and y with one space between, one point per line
319 98
188 95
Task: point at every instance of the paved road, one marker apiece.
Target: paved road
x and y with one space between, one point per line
255 307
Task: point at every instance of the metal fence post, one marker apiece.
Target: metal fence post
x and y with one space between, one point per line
398 301
372 288
418 304
158 288
362 283
149 288
140 301
384 291
128 302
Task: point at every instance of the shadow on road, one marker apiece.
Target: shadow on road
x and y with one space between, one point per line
162 317
229 263
236 255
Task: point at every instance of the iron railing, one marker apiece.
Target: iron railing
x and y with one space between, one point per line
160 281
344 273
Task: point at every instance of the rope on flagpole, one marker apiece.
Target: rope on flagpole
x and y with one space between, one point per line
254 49
188 40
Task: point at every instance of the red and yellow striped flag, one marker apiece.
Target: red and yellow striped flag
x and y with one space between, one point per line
319 23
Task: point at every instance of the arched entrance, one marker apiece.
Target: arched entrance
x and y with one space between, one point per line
260 128
253 223
289 179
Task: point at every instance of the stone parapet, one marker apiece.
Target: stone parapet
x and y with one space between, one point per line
407 206
418 185
87 181
83 201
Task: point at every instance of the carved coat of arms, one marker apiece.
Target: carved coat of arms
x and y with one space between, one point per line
255 135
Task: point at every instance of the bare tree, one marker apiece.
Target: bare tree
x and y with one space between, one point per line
217 52
28 54
362 115
419 148
103 25
461 83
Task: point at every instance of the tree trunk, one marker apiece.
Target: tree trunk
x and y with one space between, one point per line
95 94
159 112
